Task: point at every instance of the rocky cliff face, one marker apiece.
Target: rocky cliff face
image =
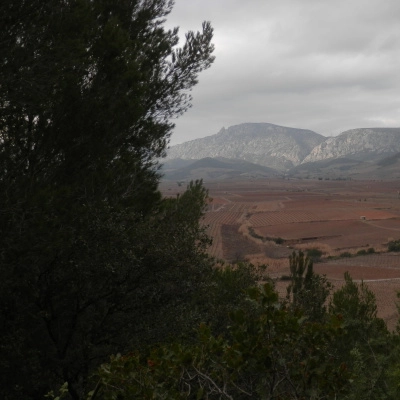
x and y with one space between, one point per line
362 144
259 143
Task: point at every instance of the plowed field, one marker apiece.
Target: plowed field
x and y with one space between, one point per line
264 221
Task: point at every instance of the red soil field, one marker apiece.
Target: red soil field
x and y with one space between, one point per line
335 217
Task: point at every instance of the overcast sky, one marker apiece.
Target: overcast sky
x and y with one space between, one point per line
323 65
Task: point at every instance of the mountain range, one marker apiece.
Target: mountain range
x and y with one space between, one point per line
263 149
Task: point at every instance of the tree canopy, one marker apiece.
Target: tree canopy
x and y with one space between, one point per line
271 350
88 90
91 254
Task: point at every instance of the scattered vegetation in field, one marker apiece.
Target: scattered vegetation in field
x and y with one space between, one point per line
394 245
347 254
314 254
364 252
255 235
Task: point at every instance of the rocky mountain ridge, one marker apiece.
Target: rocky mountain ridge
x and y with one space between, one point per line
284 148
259 143
358 144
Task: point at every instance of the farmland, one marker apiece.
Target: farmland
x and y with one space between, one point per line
350 222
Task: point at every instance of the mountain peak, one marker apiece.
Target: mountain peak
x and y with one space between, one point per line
265 144
361 143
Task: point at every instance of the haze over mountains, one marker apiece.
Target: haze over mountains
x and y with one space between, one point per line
242 150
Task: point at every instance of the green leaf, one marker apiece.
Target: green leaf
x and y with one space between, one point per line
200 394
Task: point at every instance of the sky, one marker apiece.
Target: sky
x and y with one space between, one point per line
322 65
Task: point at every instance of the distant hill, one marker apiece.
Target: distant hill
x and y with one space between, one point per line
346 168
265 144
332 168
393 160
364 144
366 153
388 168
175 163
216 169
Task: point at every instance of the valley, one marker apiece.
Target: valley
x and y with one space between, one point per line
348 223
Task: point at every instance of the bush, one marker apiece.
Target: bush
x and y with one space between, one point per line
361 252
394 245
371 250
254 361
346 254
314 254
254 234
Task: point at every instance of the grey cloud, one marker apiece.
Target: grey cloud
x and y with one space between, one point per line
322 65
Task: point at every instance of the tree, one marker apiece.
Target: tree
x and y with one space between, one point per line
365 345
307 291
88 91
89 250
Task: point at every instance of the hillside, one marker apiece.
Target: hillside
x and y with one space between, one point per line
216 169
265 144
363 144
365 153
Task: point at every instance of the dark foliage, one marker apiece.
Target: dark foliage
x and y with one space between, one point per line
307 291
394 245
90 253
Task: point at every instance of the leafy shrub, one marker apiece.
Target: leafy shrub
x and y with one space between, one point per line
394 245
363 252
346 254
314 254
279 240
254 234
254 361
